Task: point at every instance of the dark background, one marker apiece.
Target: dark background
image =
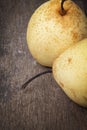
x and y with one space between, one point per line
42 105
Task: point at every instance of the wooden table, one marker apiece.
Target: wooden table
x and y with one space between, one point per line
42 105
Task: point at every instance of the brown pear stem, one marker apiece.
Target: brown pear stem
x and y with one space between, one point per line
62 4
63 12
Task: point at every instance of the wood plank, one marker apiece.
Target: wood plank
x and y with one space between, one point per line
42 105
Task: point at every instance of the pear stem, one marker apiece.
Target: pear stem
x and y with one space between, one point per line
63 12
36 76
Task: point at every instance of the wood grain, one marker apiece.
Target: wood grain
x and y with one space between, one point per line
42 105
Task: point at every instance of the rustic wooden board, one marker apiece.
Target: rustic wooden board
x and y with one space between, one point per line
42 105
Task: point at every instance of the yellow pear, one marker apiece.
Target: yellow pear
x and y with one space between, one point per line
70 72
53 27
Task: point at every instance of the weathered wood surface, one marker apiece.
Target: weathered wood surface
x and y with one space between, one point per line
42 105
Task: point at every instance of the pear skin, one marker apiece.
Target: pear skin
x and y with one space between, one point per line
70 72
50 33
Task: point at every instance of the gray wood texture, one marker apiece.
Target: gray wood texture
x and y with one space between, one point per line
42 105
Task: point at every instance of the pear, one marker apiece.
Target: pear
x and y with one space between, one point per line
54 27
70 72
